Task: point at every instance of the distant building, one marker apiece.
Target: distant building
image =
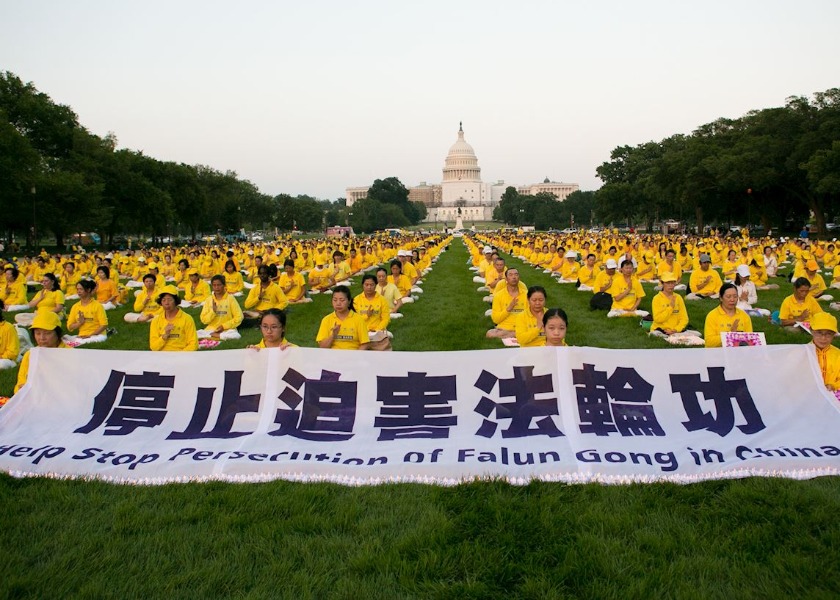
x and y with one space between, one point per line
462 192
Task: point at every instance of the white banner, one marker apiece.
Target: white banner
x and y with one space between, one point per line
566 414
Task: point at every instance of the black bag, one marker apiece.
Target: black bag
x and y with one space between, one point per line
601 301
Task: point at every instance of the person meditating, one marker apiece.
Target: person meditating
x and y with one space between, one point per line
726 317
530 330
343 329
508 303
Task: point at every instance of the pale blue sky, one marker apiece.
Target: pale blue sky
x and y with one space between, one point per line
312 97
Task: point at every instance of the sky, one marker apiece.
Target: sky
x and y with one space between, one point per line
313 97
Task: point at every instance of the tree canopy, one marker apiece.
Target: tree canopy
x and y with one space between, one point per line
770 166
56 177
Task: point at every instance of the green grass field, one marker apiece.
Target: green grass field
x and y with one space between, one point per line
753 538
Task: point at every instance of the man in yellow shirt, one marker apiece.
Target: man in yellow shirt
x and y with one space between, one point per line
705 282
817 282
588 274
627 293
508 303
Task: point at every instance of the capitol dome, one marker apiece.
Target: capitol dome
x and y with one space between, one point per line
461 163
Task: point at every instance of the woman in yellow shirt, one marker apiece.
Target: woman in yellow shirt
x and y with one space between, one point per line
13 290
233 279
173 329
46 328
87 317
343 329
726 317
48 299
530 330
823 330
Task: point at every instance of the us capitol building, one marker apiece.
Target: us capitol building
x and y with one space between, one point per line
462 193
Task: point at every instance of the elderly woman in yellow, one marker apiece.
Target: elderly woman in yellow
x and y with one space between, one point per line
823 331
13 290
87 317
146 307
46 328
48 299
530 330
173 329
555 325
9 344
374 309
726 317
343 329
273 328
220 313
196 292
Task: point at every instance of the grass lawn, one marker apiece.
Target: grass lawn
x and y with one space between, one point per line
754 538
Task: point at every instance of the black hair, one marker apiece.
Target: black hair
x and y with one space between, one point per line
218 278
230 263
534 289
367 276
343 289
727 286
555 312
87 284
800 282
289 263
280 315
105 270
54 279
184 262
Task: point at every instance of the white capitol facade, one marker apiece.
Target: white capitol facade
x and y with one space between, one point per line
462 193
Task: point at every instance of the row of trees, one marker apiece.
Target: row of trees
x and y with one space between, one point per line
56 177
387 205
543 211
772 166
